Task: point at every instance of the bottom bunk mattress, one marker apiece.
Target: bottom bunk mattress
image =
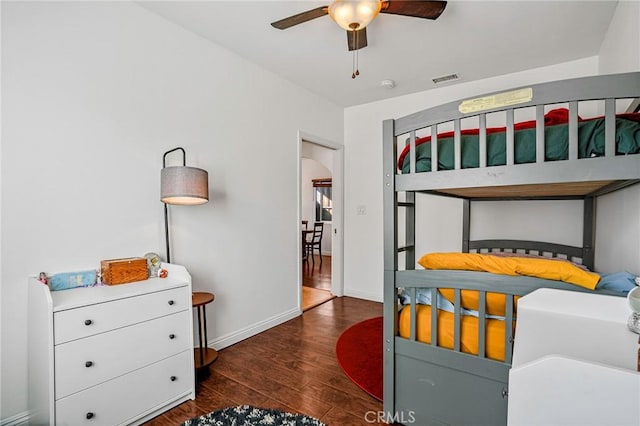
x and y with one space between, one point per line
469 331
439 384
432 381
499 272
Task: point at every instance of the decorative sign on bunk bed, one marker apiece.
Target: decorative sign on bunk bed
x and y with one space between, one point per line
450 364
504 99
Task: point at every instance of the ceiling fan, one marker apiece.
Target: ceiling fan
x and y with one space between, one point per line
355 15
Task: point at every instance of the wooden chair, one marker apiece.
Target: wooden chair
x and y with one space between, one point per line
305 232
315 242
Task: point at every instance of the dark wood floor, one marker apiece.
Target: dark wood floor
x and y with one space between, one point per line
316 283
290 367
317 275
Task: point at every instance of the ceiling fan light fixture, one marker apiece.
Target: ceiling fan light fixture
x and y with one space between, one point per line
354 15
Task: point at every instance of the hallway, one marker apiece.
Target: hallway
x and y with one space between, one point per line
316 283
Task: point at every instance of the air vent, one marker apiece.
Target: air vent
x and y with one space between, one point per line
389 84
445 78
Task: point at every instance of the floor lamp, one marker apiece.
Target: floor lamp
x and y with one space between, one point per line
181 185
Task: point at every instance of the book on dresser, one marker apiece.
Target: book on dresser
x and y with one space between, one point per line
110 355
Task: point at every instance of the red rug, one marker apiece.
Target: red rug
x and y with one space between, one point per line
359 353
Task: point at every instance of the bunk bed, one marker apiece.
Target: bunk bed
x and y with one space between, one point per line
432 374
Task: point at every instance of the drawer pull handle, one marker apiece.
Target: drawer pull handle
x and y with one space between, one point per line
89 415
171 302
172 336
88 322
88 364
174 378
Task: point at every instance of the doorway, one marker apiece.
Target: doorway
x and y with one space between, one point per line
320 202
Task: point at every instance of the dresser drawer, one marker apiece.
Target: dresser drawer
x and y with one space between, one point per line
93 319
87 362
125 398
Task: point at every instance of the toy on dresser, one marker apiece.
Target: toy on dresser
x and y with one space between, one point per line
67 280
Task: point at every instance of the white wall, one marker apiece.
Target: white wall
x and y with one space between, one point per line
618 213
620 50
313 169
92 95
320 154
618 232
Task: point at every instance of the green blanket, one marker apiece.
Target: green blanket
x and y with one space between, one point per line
590 144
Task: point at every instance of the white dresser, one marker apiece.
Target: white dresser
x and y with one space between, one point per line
110 355
575 362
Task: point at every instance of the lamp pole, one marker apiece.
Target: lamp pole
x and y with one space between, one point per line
166 210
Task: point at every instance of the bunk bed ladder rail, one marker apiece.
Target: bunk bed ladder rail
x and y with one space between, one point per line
390 261
409 205
508 329
412 151
410 234
482 312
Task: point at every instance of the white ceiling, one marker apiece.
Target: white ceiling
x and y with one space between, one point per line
475 39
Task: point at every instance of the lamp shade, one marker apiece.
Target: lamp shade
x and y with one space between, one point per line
354 15
184 185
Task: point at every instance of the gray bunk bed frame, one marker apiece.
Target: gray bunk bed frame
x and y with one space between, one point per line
426 384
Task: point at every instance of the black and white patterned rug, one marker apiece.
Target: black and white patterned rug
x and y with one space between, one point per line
246 415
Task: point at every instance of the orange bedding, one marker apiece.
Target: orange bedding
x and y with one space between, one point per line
551 269
495 331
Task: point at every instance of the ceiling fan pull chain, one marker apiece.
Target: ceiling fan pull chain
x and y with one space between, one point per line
356 72
355 55
353 64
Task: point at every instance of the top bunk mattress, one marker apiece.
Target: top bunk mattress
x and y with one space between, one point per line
591 142
584 141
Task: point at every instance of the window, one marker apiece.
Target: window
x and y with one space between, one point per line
322 199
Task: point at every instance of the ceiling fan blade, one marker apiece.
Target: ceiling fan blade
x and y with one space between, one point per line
300 18
357 39
417 8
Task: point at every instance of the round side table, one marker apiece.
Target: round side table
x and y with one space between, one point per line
203 355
